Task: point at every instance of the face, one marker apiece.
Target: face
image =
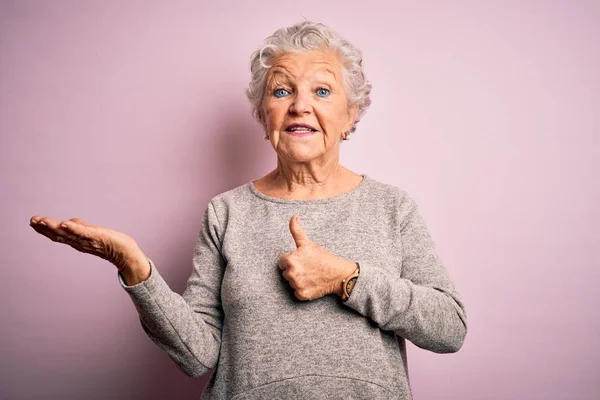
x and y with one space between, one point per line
305 106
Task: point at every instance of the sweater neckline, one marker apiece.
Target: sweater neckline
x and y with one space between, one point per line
353 192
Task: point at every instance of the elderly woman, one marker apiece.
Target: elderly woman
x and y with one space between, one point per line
306 282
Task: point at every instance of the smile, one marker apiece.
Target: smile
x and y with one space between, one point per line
300 130
300 133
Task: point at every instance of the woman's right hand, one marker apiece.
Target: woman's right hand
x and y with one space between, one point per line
115 247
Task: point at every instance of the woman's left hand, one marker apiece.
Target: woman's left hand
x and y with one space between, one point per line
310 269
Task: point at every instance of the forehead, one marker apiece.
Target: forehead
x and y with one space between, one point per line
306 64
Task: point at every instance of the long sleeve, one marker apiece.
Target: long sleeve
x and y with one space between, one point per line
187 327
418 301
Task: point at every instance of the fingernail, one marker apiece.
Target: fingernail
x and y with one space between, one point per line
63 225
42 223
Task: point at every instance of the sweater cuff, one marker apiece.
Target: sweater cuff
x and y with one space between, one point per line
145 290
147 297
372 281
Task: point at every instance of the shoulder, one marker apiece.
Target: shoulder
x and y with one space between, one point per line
391 204
391 196
239 198
231 195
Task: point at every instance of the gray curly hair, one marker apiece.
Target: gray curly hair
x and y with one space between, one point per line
306 36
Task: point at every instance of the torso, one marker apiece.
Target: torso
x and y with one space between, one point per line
276 346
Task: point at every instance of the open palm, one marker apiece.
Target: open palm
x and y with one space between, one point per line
113 246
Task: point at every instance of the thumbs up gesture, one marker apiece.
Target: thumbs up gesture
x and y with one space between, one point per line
310 269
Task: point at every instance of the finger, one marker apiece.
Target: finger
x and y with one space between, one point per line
302 295
297 232
77 227
51 229
48 224
290 279
283 262
38 220
82 222
79 237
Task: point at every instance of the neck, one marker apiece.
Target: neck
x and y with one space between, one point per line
313 177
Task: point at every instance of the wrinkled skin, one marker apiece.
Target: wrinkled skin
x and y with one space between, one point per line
312 271
115 247
307 88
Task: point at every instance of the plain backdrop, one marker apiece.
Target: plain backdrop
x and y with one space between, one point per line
132 115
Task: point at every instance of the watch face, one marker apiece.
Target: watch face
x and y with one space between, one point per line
350 285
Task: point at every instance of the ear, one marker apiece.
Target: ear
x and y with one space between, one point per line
352 116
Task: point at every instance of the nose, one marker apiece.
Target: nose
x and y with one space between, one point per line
301 103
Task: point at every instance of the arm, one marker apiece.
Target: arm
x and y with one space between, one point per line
420 303
187 327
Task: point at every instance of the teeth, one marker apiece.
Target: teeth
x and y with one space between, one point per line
297 128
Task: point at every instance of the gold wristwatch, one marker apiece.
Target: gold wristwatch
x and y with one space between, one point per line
348 283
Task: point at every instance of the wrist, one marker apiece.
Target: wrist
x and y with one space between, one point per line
136 270
349 282
346 269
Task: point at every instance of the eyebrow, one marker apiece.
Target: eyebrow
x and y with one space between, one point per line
280 71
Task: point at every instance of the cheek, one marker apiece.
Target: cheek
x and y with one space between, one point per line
273 112
332 116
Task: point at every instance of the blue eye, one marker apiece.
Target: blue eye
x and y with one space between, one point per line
322 92
280 92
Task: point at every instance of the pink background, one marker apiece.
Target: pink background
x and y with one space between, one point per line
132 115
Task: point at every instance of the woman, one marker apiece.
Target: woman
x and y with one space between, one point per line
306 282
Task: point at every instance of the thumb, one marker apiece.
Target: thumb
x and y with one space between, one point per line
298 233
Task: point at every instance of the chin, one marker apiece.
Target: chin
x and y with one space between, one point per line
300 150
302 155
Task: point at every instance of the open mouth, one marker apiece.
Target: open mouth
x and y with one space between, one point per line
300 128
